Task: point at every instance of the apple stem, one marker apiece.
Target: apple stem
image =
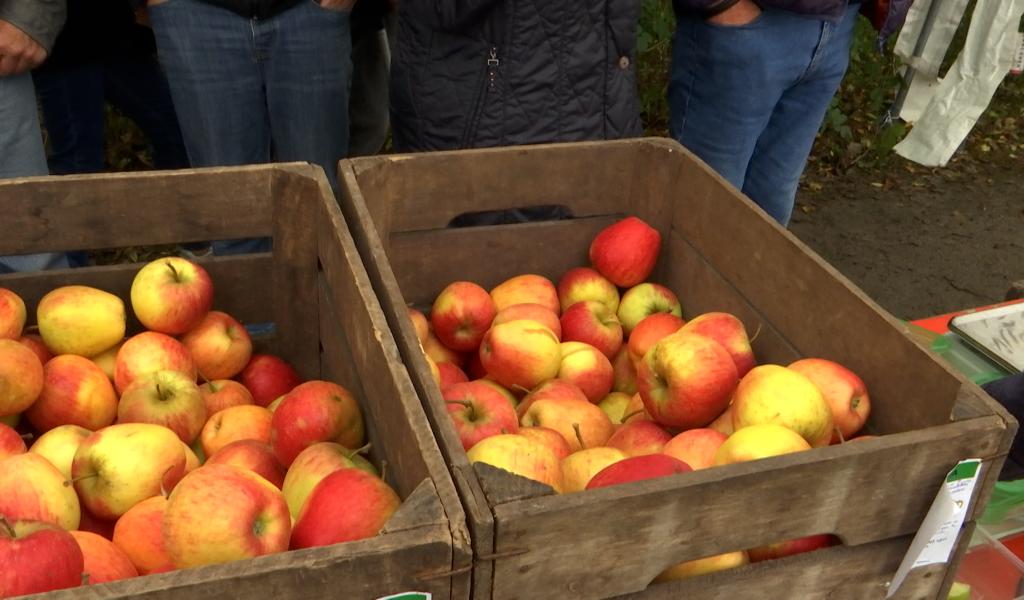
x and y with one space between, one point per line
205 380
471 415
630 415
579 436
521 389
160 393
26 436
756 333
174 271
69 482
383 470
364 449
6 527
842 440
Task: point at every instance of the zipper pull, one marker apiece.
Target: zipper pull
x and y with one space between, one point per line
492 68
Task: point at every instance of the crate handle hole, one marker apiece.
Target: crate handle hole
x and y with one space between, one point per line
511 216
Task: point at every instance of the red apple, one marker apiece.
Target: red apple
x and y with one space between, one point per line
11 442
686 380
440 353
147 353
75 392
584 283
21 377
791 547
593 323
37 557
267 377
639 437
450 374
626 252
220 346
588 368
638 468
312 465
224 393
103 560
530 312
32 489
347 505
12 315
478 411
696 447
315 411
171 295
624 372
221 513
520 354
728 331
251 455
844 391
246 422
138 533
167 398
644 300
649 332
34 342
461 315
526 289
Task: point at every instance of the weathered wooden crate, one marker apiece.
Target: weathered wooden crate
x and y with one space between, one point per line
718 253
329 324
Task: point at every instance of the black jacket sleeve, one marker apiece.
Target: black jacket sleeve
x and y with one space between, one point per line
39 19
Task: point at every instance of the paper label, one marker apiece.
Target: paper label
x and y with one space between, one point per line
1017 66
937 536
408 596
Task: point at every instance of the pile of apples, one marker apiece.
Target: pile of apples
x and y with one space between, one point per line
599 380
135 467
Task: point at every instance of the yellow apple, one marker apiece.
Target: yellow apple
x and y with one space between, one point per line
78 319
775 394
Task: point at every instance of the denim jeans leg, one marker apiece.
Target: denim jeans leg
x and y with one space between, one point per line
216 78
72 102
22 155
368 103
308 75
782 150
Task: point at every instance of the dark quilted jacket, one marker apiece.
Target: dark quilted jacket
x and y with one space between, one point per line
476 73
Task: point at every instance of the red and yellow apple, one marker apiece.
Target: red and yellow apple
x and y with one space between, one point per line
246 422
593 323
37 557
461 315
251 455
530 312
75 392
224 393
614 405
584 283
649 332
639 437
168 398
345 506
12 315
775 394
791 547
526 289
477 411
703 566
449 374
638 468
315 411
220 346
520 354
419 324
21 377
696 447
549 438
581 423
728 331
59 446
148 352
844 391
311 466
78 319
34 342
11 442
624 372
103 560
32 489
759 441
686 380
267 377
139 534
580 467
171 295
588 368
520 455
644 300
222 513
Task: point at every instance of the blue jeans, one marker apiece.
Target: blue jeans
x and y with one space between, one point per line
748 100
22 155
249 91
73 98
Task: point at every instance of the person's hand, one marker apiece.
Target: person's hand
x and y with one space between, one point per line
337 4
741 13
18 52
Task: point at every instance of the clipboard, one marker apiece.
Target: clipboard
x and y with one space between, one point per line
997 333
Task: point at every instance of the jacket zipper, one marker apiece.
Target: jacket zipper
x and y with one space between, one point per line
490 85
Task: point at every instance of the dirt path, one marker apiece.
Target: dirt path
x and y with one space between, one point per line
921 242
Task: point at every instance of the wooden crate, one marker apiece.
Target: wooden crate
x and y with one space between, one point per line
328 323
718 253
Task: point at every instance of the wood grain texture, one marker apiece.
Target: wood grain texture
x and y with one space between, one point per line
723 254
87 212
478 515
